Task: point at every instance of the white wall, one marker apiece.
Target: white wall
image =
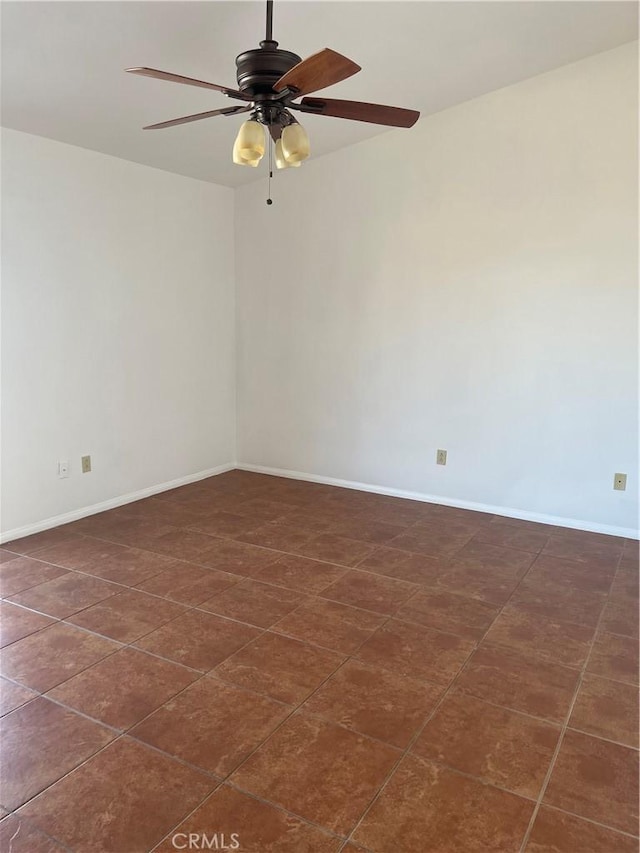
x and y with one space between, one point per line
471 285
118 327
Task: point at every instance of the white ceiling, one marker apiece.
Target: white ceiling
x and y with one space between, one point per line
62 65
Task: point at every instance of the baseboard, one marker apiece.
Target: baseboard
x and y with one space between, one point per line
507 512
112 503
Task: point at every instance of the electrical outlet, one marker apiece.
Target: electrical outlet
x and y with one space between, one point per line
86 464
63 469
441 457
620 482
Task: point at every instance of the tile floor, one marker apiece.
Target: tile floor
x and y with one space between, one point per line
292 667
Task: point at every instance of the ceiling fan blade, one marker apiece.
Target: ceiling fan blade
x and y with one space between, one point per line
360 111
189 81
227 111
317 72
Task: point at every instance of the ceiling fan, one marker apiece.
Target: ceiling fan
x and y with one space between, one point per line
269 82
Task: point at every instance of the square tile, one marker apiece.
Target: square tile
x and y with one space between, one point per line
123 688
573 574
524 536
574 545
621 617
432 540
78 552
182 544
66 595
200 640
310 576
17 836
504 748
597 780
125 798
450 612
432 809
277 536
12 696
608 709
188 584
335 549
40 743
374 702
130 566
614 657
280 667
128 615
558 601
491 585
16 623
416 652
367 530
256 603
254 825
237 558
53 655
212 725
405 566
370 592
561 642
558 832
38 541
23 573
324 773
520 682
223 524
329 624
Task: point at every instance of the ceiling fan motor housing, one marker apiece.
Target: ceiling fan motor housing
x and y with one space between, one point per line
259 69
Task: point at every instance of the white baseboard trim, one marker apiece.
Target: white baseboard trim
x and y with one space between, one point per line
508 512
112 503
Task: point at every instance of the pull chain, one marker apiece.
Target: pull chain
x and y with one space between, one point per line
269 199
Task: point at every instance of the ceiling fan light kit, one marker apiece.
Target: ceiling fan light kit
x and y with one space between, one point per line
270 81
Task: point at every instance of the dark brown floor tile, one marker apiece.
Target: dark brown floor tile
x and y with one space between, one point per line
40 743
131 566
163 512
223 524
5 556
256 603
375 702
432 540
596 779
560 642
557 832
136 532
78 552
581 548
300 573
495 557
432 809
416 652
237 558
559 601
278 536
16 836
182 544
263 509
614 657
66 595
12 696
212 725
629 559
319 771
123 688
621 617
280 667
521 537
318 519
23 573
493 586
128 615
502 747
200 640
370 592
452 517
625 586
53 655
188 584
519 682
402 565
336 549
367 530
126 798
46 539
608 709
569 573
447 611
329 624
16 623
258 827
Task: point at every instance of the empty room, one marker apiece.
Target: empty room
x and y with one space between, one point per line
319 487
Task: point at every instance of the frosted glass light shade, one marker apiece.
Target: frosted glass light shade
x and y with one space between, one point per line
295 144
239 160
281 162
250 141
